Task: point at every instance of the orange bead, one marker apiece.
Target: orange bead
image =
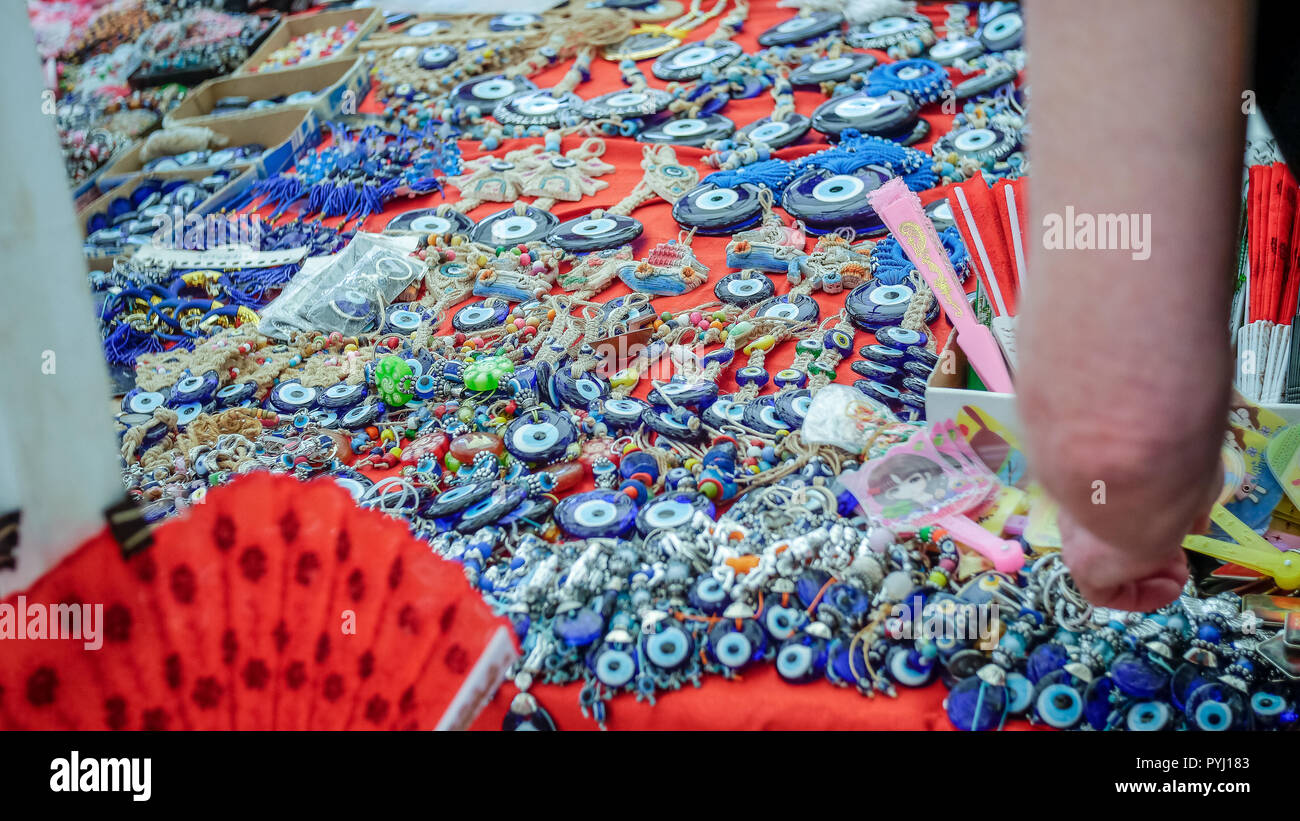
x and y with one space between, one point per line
372 432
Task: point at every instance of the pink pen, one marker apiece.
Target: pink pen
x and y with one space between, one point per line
901 211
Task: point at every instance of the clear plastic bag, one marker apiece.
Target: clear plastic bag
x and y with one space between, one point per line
346 292
844 417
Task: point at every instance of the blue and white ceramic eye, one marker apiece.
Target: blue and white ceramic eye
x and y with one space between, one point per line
237 394
480 316
577 392
614 666
679 424
1003 32
342 396
724 411
985 145
509 227
401 321
667 648
691 60
545 107
798 307
761 415
887 31
909 668
947 52
736 647
877 372
792 406
594 232
1148 716
486 92
436 57
1059 706
361 415
672 510
891 115
1266 708
689 131
901 338
540 436
623 413
708 596
488 511
140 401
431 221
325 418
710 209
187 413
1213 716
676 393
878 391
783 622
744 288
460 498
288 397
802 28
627 104
873 305
596 514
790 378
513 21
826 201
1020 693
195 389
801 659
777 133
752 375
835 70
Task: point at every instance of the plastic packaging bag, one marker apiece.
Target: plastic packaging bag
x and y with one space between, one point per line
844 417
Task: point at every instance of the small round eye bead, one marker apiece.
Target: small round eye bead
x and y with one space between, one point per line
752 375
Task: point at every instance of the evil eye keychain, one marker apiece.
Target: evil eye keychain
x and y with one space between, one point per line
891 31
832 70
691 60
627 104
484 93
949 51
596 514
547 108
744 288
776 133
802 28
737 639
689 131
597 231
518 224
893 115
442 221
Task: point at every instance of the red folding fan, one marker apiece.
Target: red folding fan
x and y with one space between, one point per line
276 604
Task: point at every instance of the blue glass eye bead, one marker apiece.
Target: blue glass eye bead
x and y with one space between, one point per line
802 658
736 647
1138 677
892 115
889 31
291 396
361 415
1059 705
691 60
683 394
752 375
614 662
541 435
947 52
985 82
450 502
622 414
672 510
911 401
342 396
776 133
798 307
596 514
802 28
914 384
876 371
873 305
1046 658
917 369
723 411
761 415
883 354
689 131
627 104
790 378
744 288
1148 716
835 70
708 596
901 338
578 627
712 210
547 108
792 406
485 92
985 145
1216 707
974 704
1020 694
493 508
480 316
194 389
580 391
722 356
140 401
1003 32
1097 706
909 667
826 201
1267 709
441 221
594 232
668 646
236 394
837 340
679 424
879 391
436 57
510 227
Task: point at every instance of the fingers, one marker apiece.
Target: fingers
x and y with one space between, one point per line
1124 579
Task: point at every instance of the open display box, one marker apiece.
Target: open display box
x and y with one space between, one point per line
367 20
341 83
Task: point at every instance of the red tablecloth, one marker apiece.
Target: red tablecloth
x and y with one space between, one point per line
759 700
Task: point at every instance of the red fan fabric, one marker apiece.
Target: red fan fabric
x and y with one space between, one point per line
275 605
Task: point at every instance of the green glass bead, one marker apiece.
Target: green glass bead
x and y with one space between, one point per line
395 381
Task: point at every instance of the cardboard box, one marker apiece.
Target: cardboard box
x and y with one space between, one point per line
224 197
367 20
287 132
342 83
946 393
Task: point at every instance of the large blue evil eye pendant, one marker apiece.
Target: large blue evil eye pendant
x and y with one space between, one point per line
792 406
458 499
802 28
236 395
677 393
672 510
744 288
874 305
594 232
826 201
910 667
712 210
577 392
628 104
947 52
888 31
989 144
546 108
802 658
485 92
690 61
624 413
679 424
194 389
514 21
526 714
488 511
441 221
342 396
291 396
777 133
540 436
892 115
835 70
490 313
1058 696
596 514
761 414
436 57
797 307
689 131
515 225
738 639
1006 31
